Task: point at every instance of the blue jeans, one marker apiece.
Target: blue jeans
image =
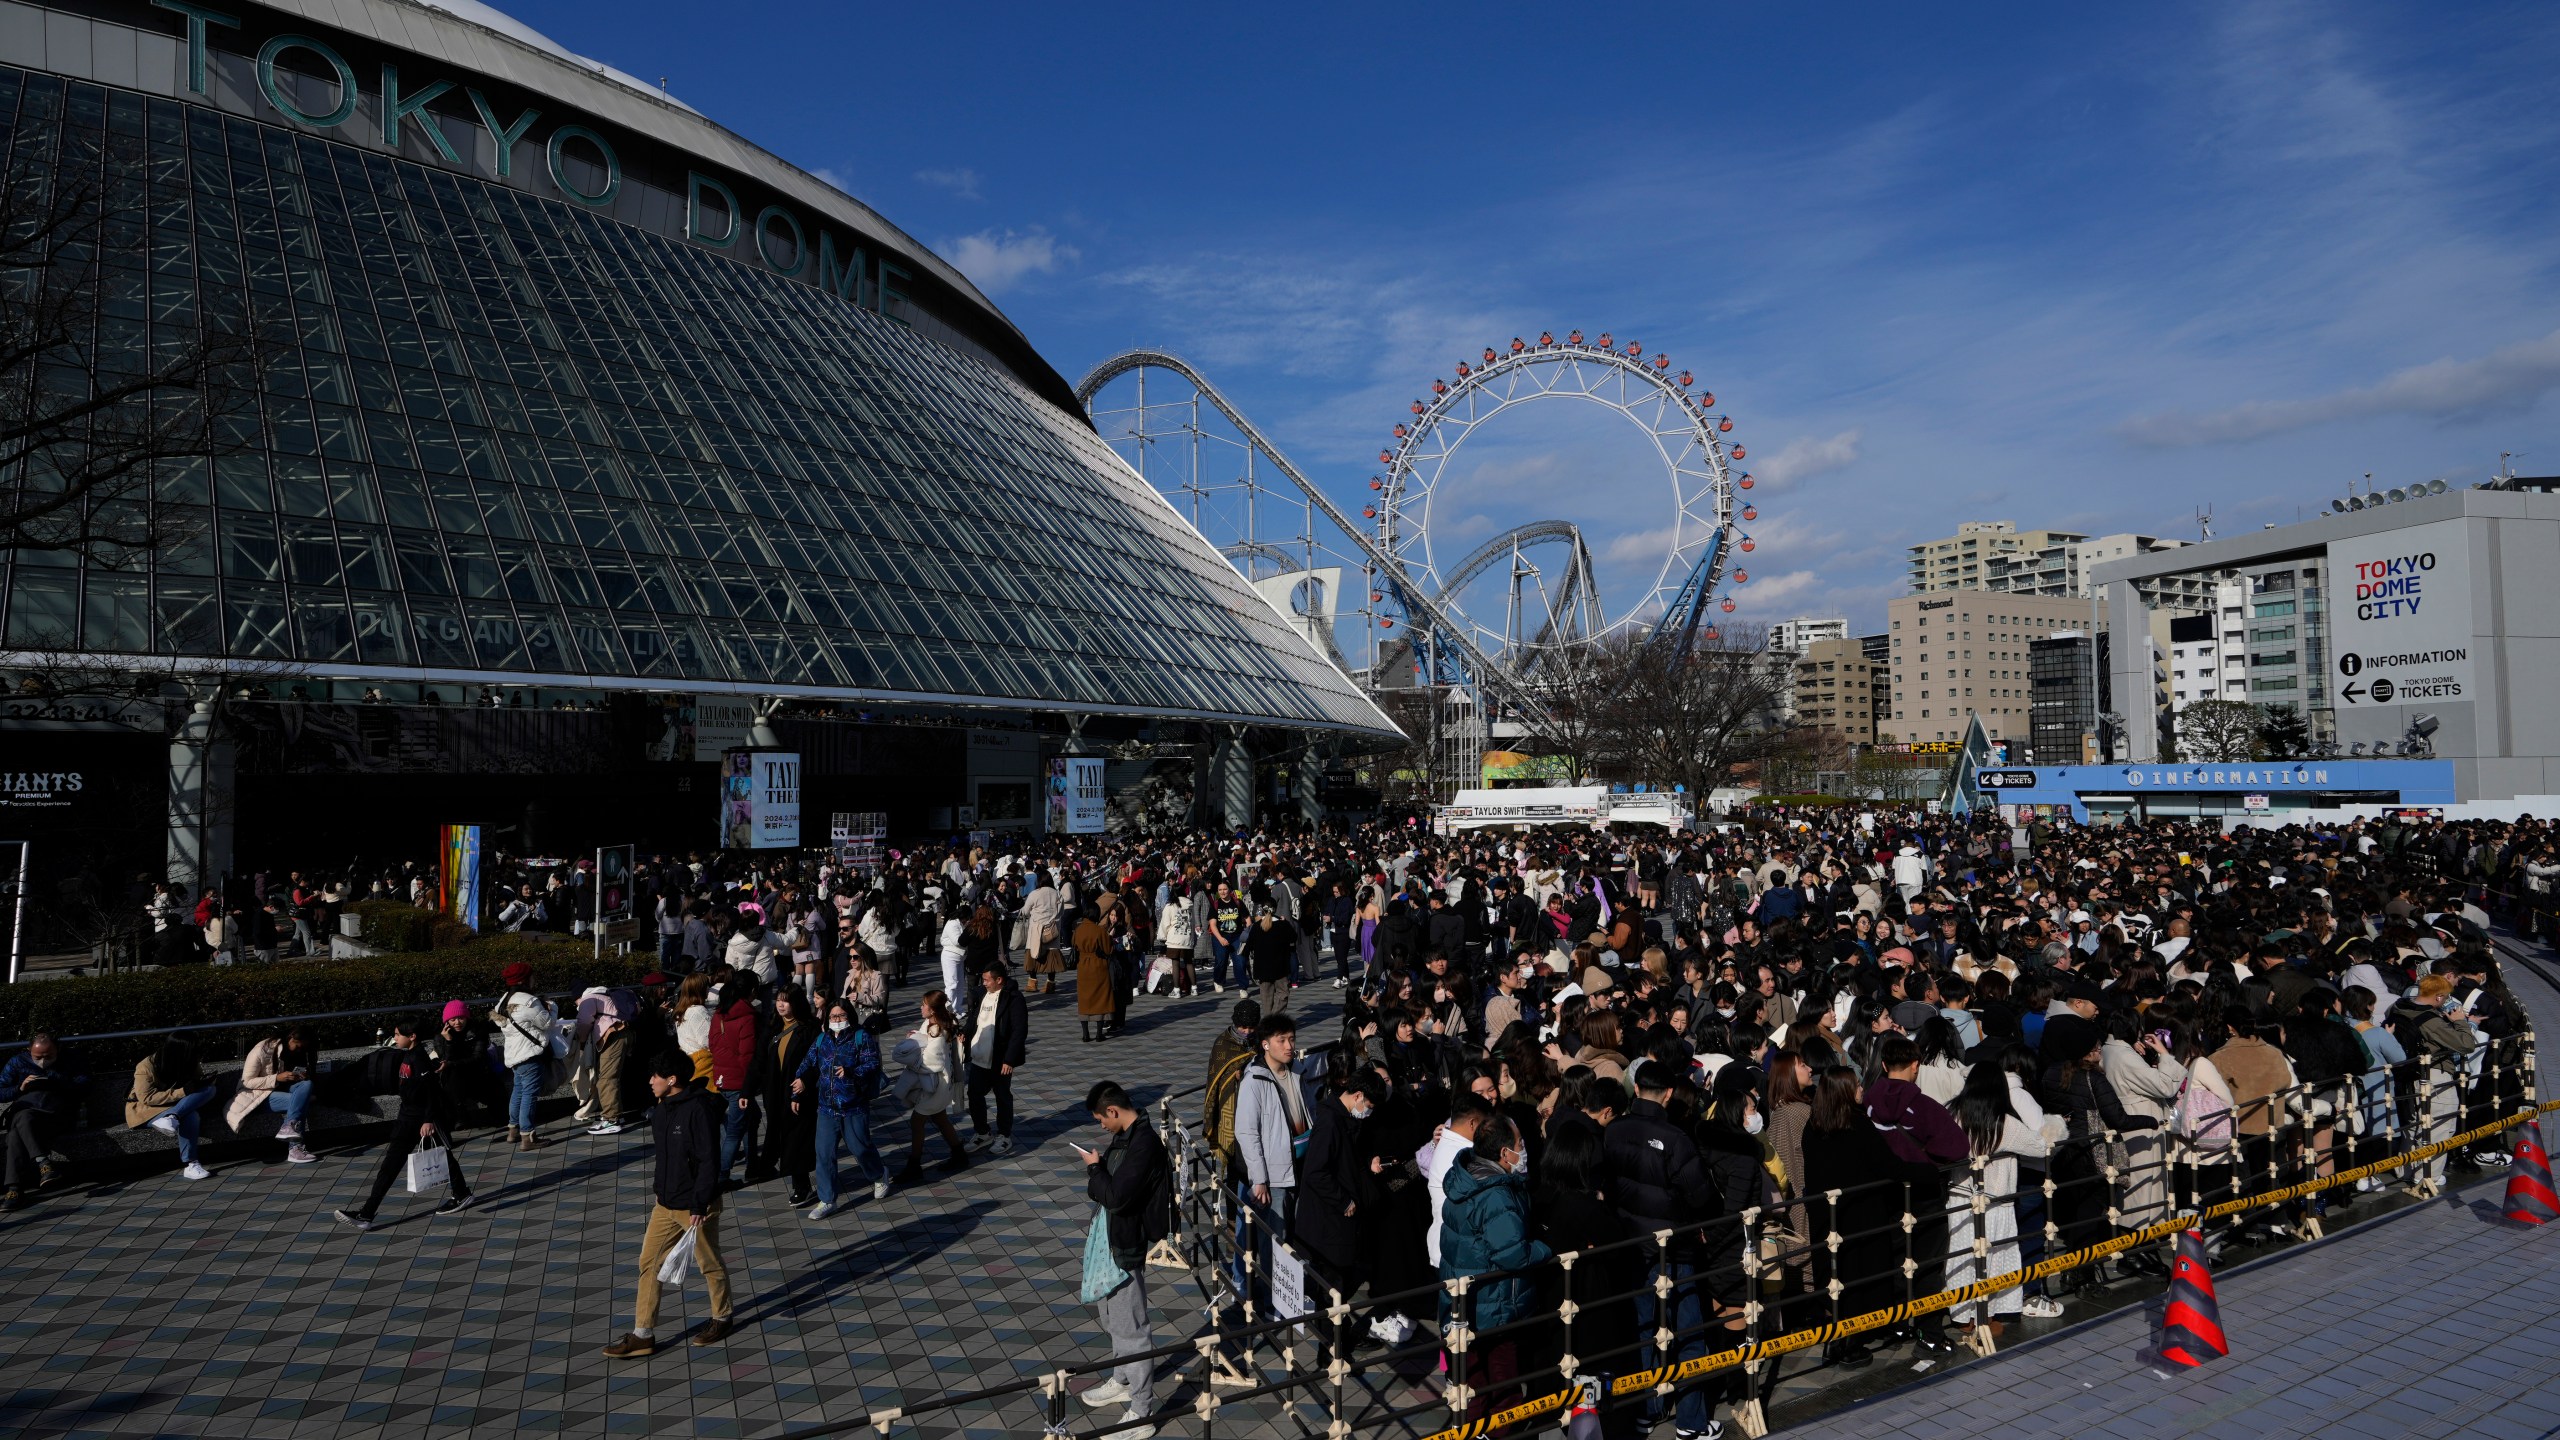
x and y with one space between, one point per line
670 950
852 1130
188 1113
528 1088
292 1102
1222 956
1688 1326
737 1117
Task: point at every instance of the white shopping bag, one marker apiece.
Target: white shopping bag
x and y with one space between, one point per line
679 1261
430 1167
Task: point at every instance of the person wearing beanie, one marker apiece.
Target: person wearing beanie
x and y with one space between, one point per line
523 1021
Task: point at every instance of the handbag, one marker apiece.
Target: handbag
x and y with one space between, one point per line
430 1166
679 1262
1102 1274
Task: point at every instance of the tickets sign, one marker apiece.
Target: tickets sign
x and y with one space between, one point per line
2401 617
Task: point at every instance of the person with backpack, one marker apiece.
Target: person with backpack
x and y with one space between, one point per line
523 1021
841 1076
2423 1023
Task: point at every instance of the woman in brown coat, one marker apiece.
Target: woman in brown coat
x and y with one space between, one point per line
170 1094
1092 944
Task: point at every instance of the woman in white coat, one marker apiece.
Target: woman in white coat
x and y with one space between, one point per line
523 1021
928 1079
1982 1212
2146 1077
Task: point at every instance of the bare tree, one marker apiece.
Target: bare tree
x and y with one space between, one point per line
2218 730
94 400
1687 720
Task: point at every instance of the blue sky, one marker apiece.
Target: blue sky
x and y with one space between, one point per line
2070 266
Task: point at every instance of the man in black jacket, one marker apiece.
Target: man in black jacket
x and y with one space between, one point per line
1655 1178
426 1113
1131 1181
686 1194
998 1027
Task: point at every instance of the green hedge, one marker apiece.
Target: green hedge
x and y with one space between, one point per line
391 925
198 994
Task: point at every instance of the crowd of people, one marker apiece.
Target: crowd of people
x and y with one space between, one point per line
1561 1042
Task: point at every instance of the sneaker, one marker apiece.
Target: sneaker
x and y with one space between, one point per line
195 1171
1714 1431
880 1190
456 1205
165 1124
632 1347
1004 1144
822 1210
2041 1307
294 1154
1133 1426
802 1200
349 1217
288 1131
1109 1392
1341 984
981 1142
605 1127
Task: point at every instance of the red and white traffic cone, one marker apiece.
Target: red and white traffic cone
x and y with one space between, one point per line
2530 1198
2191 1333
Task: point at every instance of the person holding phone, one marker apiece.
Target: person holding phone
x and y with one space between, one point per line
278 1076
1130 1181
841 1076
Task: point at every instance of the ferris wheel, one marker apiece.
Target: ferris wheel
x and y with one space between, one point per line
1701 508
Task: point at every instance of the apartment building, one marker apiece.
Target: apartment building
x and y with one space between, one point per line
1961 653
1838 688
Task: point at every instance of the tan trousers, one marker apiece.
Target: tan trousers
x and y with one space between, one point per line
664 1226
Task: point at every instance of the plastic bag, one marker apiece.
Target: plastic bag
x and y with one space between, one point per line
679 1261
1102 1274
430 1167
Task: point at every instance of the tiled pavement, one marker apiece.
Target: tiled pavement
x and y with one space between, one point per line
2441 1319
238 1307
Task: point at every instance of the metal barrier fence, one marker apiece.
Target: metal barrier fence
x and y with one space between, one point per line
1255 1344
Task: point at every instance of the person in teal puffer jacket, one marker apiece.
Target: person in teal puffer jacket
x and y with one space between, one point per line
1484 1228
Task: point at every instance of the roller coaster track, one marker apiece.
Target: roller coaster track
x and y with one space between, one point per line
1446 629
1577 592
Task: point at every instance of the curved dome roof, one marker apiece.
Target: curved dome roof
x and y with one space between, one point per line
491 18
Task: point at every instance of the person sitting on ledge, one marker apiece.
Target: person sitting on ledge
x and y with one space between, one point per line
41 1098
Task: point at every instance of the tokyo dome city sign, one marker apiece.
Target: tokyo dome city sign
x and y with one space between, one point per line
311 82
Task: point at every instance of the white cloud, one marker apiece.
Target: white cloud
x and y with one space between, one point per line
961 181
995 259
837 178
2509 379
1801 460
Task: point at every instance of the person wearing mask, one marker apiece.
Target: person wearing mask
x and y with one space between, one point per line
1130 1182
1044 912
1091 942
604 1016
998 1024
791 1130
1337 1174
1467 1114
170 1094
426 1113
42 1099
1270 948
1486 1229
929 1078
522 1021
279 1076
684 1194
841 1076
2425 1026
2260 1078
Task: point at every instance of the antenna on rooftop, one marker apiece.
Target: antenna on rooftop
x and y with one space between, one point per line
2204 523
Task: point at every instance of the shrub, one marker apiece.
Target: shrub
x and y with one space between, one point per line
255 994
391 925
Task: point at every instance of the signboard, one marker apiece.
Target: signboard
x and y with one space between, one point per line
720 724
760 800
2006 779
458 873
1512 767
2253 802
1076 795
2401 619
613 883
858 836
1288 1284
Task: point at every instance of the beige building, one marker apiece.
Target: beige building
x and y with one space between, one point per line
1997 555
1838 688
1962 653
1978 552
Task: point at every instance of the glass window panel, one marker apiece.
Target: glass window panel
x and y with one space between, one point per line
475 568
311 552
190 618
422 568
382 630
497 636
366 559
322 627
256 617
42 608
594 646
439 635
249 546
544 646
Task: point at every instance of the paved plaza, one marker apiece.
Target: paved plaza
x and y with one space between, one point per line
237 1306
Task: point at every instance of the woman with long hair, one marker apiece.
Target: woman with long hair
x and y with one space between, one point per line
1995 1137
791 1133
1844 1152
170 1094
929 1077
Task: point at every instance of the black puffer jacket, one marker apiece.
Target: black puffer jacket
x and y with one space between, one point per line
1654 1174
1133 1184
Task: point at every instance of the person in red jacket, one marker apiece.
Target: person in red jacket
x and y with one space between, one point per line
735 1055
1919 1130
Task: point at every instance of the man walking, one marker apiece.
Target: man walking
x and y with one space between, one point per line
686 1196
1131 1182
426 1113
